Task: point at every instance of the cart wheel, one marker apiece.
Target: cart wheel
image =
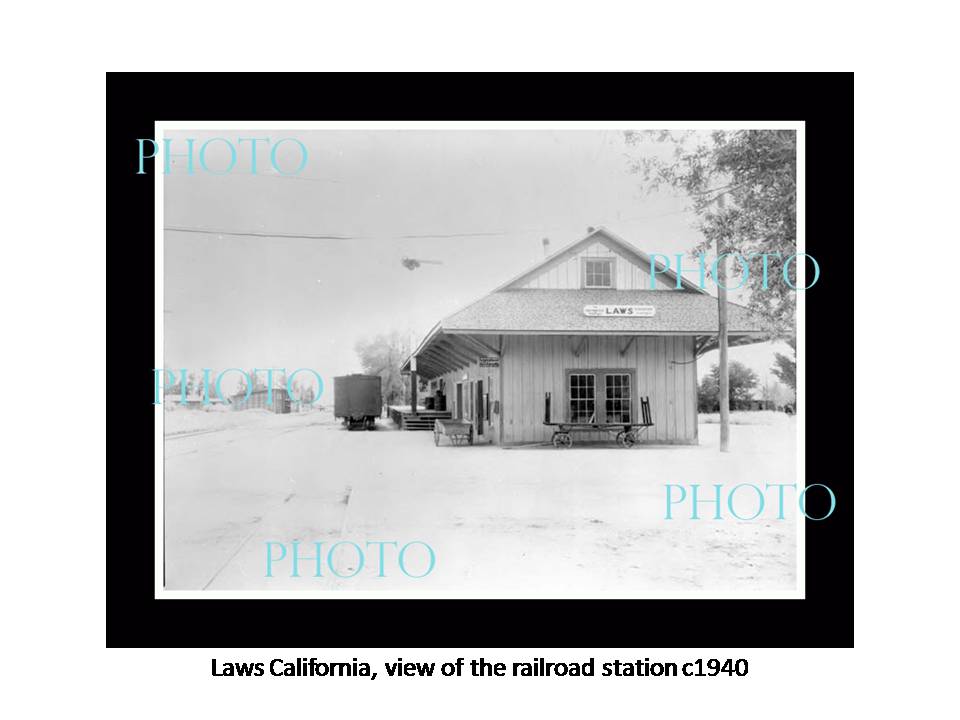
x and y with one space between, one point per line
562 440
626 439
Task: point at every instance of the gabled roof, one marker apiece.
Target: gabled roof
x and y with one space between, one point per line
460 338
513 309
562 312
612 241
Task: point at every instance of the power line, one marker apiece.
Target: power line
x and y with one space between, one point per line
207 231
416 236
457 235
204 231
267 175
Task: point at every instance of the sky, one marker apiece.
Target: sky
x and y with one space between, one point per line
477 202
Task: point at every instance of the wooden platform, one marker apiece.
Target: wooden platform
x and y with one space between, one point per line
423 420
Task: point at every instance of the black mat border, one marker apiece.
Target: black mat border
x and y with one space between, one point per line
135 619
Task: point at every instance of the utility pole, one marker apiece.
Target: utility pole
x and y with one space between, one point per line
721 280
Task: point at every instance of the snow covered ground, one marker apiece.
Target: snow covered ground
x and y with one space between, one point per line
536 521
179 421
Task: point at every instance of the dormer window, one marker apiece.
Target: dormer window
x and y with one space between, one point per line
598 272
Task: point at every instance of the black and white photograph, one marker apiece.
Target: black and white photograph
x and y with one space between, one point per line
497 360
479 360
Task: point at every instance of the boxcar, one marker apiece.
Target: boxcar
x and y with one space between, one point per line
357 400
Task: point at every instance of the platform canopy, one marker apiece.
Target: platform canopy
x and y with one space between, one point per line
475 331
442 352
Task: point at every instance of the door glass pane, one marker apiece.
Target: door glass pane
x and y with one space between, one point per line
618 398
582 394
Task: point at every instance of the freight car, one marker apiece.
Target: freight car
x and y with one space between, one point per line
357 401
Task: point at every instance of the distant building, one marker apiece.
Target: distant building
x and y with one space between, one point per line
192 402
278 401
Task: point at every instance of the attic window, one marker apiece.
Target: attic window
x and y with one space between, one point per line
598 272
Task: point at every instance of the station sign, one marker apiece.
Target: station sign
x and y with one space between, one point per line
619 310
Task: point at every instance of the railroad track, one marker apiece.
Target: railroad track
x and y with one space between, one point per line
181 435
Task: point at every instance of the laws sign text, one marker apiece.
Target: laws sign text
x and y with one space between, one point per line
619 310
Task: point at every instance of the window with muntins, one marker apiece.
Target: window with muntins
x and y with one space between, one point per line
615 396
583 398
618 397
598 273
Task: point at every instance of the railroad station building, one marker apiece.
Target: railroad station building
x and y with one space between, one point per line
586 326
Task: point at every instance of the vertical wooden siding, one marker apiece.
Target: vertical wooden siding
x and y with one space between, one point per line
491 384
565 275
534 365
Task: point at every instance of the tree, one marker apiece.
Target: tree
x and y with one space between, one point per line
756 171
786 368
776 394
743 380
383 356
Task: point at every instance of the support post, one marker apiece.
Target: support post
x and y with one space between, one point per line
722 341
413 386
500 347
